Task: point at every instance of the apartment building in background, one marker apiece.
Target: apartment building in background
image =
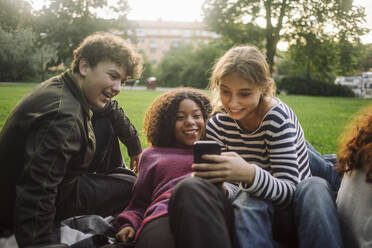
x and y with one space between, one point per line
155 38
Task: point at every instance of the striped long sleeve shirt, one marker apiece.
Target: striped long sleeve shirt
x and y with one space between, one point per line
276 148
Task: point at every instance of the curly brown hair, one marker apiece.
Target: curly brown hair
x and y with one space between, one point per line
160 118
355 145
103 46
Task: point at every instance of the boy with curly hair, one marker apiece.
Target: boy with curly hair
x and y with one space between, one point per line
48 143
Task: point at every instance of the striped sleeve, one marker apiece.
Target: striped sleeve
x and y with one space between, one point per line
279 184
277 149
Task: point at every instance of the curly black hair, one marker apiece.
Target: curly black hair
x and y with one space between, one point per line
160 118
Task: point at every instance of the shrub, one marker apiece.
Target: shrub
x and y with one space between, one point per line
312 87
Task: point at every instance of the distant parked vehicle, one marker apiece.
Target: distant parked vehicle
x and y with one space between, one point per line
367 84
361 85
353 82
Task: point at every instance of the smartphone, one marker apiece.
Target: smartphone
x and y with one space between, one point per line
202 147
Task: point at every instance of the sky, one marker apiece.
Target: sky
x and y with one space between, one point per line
190 10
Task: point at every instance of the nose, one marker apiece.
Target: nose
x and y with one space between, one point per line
234 101
189 120
116 88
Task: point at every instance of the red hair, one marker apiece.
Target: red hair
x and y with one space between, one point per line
355 146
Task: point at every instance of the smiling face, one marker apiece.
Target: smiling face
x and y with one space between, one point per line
240 99
102 82
190 124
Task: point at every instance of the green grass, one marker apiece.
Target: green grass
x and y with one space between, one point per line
322 118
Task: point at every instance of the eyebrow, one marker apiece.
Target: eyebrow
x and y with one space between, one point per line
243 89
194 110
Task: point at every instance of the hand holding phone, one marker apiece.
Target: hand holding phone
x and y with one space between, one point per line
206 147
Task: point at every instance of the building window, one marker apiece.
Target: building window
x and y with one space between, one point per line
152 50
140 32
175 31
153 31
186 33
153 43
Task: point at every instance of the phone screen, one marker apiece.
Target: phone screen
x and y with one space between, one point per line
205 147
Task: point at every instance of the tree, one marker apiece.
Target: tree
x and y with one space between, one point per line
365 60
15 14
179 66
18 59
67 22
323 64
283 20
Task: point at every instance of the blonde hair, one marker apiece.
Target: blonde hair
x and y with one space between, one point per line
249 63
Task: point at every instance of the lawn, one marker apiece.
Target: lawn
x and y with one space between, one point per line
322 118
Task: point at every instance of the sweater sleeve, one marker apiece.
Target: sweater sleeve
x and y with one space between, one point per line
278 184
133 214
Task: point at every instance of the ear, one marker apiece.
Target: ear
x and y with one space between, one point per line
83 67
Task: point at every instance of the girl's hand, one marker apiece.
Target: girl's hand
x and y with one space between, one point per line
134 163
125 234
229 166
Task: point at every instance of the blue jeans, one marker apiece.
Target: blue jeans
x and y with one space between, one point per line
323 166
311 220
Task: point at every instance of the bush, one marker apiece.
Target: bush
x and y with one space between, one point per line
312 87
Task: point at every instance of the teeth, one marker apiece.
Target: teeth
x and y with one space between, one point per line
191 132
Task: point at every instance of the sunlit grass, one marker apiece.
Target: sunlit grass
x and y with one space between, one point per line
322 118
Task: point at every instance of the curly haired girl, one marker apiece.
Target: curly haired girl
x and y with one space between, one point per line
169 208
354 199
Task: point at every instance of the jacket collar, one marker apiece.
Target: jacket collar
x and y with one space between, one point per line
77 92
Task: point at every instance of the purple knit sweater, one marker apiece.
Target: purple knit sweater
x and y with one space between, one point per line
160 169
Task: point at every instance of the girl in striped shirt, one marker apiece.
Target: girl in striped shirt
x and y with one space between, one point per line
266 154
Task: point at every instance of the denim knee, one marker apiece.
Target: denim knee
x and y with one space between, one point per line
314 187
316 192
245 199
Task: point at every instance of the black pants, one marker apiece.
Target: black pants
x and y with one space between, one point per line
200 215
107 189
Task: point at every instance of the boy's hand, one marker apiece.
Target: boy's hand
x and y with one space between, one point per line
134 163
125 234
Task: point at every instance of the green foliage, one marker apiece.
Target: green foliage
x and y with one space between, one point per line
18 58
15 14
348 54
291 20
170 68
148 70
312 87
66 23
323 62
188 66
365 59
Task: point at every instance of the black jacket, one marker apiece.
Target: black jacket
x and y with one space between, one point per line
45 143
